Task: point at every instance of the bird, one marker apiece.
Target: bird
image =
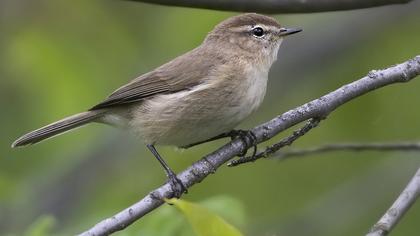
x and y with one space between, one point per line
202 94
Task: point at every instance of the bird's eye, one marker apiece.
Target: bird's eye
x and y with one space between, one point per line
258 31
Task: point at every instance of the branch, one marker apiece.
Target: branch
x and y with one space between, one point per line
207 165
273 151
348 147
277 6
404 201
312 123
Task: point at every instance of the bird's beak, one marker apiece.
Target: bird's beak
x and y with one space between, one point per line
288 31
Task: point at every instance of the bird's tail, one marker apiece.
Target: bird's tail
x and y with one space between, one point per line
57 128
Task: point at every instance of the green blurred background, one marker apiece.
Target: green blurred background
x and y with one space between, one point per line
60 57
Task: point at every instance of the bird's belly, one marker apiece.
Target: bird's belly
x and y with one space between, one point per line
192 116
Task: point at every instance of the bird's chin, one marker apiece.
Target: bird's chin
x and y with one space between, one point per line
274 51
279 42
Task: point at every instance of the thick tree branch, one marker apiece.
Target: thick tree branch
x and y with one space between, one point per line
277 6
320 107
394 214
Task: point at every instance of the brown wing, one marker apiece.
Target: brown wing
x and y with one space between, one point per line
182 73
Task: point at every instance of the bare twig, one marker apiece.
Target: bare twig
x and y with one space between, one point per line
312 123
404 146
404 201
277 6
320 107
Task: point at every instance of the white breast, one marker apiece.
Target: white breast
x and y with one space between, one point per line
252 94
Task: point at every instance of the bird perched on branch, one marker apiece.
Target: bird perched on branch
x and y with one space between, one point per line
196 97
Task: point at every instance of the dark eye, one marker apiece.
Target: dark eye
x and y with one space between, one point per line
258 31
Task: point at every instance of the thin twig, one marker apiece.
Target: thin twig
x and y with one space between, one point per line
312 123
398 146
277 6
320 107
394 214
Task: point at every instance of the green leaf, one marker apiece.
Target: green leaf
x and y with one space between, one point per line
203 221
41 227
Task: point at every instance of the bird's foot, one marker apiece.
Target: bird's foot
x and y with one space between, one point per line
178 188
248 138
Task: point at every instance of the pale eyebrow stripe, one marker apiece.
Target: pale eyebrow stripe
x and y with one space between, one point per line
241 28
247 27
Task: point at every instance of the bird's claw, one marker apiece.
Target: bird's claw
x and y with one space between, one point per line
248 138
178 188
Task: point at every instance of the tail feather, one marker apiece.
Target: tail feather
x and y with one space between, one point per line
57 128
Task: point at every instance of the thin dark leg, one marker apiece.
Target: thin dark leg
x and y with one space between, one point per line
220 136
176 184
247 136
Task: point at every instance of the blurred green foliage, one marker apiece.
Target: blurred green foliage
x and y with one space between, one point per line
60 57
204 221
41 226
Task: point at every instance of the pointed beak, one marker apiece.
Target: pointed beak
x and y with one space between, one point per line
288 31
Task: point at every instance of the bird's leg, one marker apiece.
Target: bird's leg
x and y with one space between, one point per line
220 136
245 135
177 186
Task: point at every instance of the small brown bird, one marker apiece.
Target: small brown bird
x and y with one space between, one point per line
193 98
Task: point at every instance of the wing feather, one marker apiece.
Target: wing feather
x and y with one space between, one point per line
182 73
